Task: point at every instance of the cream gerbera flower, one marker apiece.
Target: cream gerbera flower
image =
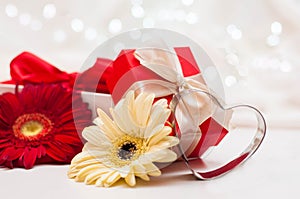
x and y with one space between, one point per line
127 146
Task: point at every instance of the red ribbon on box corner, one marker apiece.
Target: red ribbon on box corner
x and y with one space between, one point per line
126 63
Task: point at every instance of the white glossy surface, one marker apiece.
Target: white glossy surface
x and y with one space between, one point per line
271 173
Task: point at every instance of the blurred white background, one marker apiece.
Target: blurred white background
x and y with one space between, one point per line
255 44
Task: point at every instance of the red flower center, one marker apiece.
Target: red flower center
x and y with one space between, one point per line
32 126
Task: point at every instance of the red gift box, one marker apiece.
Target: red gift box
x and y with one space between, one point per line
127 70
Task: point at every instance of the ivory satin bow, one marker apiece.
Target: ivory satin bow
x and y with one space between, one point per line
166 65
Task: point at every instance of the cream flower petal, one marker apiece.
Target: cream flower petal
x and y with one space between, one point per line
85 159
154 130
160 106
143 176
159 115
127 146
143 107
130 179
107 179
107 125
112 179
99 121
138 168
159 136
152 170
84 164
102 180
83 156
164 155
91 147
124 170
162 103
144 159
94 176
93 135
82 174
124 121
122 113
99 155
164 143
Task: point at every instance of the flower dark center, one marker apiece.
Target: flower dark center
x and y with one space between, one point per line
127 150
32 126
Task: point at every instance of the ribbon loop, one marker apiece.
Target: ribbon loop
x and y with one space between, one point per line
167 66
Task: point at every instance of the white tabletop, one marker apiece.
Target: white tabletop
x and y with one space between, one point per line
273 172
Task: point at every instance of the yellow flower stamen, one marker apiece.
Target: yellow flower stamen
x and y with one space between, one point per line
31 126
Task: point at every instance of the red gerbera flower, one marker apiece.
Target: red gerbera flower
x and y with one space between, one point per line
37 125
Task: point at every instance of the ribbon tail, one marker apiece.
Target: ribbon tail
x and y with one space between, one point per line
28 68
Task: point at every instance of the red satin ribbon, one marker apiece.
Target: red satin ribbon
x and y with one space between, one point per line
28 68
94 79
218 171
126 63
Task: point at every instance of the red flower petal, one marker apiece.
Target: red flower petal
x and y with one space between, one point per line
29 157
9 164
59 144
4 144
2 162
41 151
65 118
8 102
56 153
3 157
13 153
73 140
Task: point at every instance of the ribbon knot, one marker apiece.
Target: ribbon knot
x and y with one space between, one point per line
167 66
181 83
